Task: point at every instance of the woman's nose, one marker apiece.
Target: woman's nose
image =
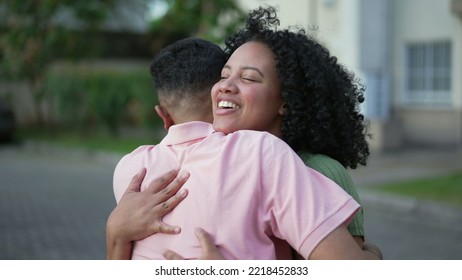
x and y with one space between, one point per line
227 86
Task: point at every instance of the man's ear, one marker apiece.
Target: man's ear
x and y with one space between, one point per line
165 116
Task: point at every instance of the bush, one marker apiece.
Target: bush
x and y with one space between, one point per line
108 96
87 98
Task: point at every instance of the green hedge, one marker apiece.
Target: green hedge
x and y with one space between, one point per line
88 98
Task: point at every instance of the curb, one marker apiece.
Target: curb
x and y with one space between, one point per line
430 212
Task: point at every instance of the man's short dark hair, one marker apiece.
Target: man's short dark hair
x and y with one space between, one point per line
187 67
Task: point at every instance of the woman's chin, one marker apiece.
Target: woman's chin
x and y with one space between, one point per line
225 128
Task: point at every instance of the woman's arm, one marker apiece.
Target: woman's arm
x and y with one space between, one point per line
337 173
333 170
139 214
337 245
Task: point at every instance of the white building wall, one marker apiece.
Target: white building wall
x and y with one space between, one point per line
339 30
336 21
419 21
456 22
375 57
427 21
338 25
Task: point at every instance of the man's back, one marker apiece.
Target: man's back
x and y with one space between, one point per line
245 188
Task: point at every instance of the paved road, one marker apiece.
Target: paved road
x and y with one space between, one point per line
55 207
409 230
52 208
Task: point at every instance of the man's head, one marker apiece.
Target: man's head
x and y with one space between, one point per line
183 74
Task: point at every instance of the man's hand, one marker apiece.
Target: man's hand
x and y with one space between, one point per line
139 214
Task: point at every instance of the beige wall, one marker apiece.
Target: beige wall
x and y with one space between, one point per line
339 31
427 20
431 127
424 20
457 61
338 23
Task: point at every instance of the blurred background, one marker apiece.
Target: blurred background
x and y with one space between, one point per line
76 94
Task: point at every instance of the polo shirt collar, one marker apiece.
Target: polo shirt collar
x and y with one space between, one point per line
186 132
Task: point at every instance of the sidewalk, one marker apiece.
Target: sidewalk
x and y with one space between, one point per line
407 165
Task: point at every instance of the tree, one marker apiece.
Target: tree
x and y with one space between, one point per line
34 33
208 19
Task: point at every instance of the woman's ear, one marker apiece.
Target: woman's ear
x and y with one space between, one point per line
164 115
283 109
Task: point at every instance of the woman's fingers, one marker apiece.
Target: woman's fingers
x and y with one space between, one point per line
162 182
135 183
160 210
209 250
167 186
205 240
170 204
161 197
175 185
162 227
170 255
139 213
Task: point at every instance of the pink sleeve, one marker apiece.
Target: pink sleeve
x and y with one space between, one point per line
302 206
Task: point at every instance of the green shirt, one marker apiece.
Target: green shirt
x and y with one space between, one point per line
333 170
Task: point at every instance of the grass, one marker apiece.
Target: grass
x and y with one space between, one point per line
96 140
445 188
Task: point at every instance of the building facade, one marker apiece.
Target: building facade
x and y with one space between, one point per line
408 54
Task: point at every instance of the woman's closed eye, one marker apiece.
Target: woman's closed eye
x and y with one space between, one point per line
250 79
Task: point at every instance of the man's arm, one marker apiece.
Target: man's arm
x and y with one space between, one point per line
139 214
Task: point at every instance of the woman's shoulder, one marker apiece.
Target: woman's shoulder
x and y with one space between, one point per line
335 171
321 161
327 166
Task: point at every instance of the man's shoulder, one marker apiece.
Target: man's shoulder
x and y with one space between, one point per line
256 135
138 153
129 165
141 150
252 141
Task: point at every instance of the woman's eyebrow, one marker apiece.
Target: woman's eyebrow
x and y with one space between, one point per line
254 69
226 66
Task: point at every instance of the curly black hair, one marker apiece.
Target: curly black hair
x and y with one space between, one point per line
321 96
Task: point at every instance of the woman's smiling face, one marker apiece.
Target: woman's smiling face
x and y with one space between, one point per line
248 95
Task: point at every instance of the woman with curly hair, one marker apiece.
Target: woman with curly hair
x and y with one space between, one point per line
297 91
320 118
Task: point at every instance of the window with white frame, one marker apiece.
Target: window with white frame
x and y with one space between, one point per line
428 75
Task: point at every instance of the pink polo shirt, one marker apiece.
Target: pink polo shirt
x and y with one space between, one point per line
245 188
